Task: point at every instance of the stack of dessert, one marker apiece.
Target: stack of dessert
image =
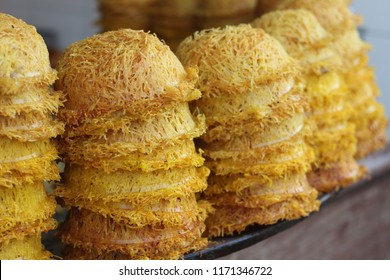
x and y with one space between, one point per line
131 168
265 6
219 13
173 20
255 143
334 140
27 108
369 117
116 14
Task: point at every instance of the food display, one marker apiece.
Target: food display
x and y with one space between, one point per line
28 105
218 13
369 116
173 20
181 122
132 171
330 110
259 157
341 19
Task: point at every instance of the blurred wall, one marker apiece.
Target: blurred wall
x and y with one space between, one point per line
69 20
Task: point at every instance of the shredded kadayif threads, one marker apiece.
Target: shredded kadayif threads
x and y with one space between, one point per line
28 248
27 204
95 233
23 62
27 162
121 70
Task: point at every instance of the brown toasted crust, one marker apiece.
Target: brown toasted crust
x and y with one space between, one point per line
333 176
122 70
94 233
228 220
27 58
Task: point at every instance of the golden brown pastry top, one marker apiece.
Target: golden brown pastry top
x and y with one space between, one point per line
351 48
235 59
123 70
23 53
302 36
334 15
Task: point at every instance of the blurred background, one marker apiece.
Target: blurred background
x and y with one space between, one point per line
340 232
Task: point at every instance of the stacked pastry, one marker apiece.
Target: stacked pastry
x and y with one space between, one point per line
369 116
132 171
340 20
334 140
116 14
27 107
265 6
173 20
219 13
254 145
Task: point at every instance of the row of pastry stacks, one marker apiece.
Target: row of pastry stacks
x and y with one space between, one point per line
132 171
255 143
174 20
28 105
330 111
368 114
